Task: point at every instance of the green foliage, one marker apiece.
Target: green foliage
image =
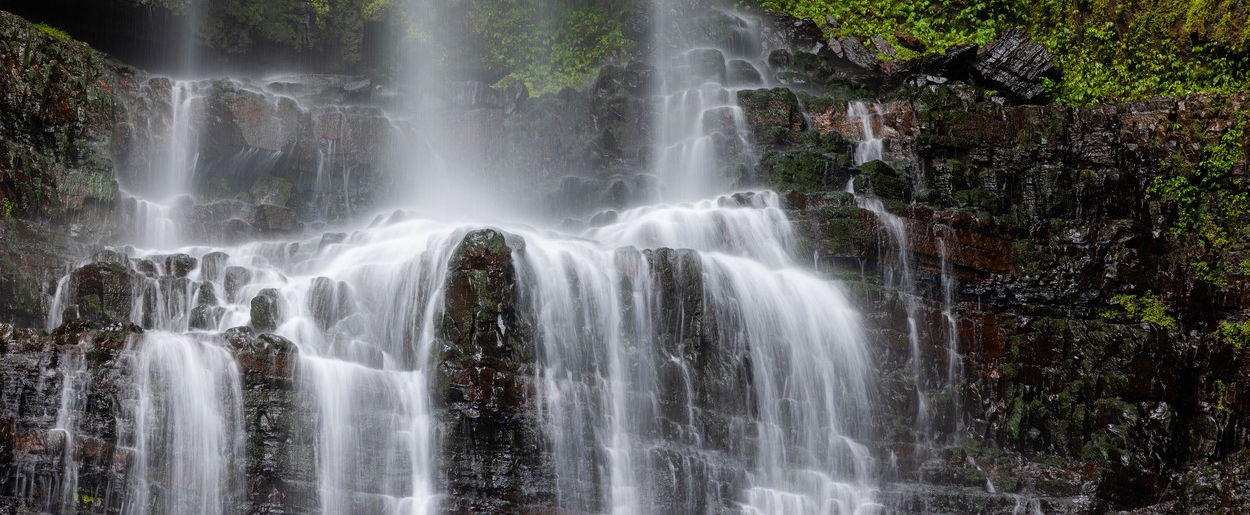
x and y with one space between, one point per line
550 44
1146 308
52 31
1210 200
1107 49
1221 394
6 208
1236 334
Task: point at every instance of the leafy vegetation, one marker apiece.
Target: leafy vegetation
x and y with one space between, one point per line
1236 334
1146 308
1107 49
550 44
52 31
1211 200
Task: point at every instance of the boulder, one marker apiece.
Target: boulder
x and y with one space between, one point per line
103 292
267 310
773 115
213 266
879 179
269 219
740 73
205 318
1015 64
235 278
329 301
179 265
706 64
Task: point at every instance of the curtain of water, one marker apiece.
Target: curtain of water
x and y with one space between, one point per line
718 378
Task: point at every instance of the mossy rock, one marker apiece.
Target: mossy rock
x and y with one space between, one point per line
774 115
802 171
879 179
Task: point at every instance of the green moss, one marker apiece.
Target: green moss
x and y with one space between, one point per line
1220 396
1209 200
1146 308
53 31
1236 334
799 170
1106 49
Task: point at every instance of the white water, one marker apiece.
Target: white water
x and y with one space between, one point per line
898 275
954 360
870 146
187 420
703 139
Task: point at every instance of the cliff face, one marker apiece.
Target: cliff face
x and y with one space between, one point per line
1047 218
1093 365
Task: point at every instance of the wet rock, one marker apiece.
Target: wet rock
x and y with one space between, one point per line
780 58
102 292
213 266
278 421
329 301
270 219
34 370
235 278
1217 487
855 52
330 238
1016 64
879 179
205 317
800 171
234 230
742 73
179 265
494 453
146 267
706 65
267 310
205 295
622 117
773 115
110 256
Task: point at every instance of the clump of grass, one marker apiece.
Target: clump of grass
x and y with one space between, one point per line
52 31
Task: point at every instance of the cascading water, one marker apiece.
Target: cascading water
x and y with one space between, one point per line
899 275
702 139
954 361
188 435
155 192
721 377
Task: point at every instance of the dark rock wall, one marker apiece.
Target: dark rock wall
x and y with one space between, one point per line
1045 216
56 173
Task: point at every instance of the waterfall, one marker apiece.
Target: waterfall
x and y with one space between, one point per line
188 436
899 275
684 360
870 146
702 136
954 361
